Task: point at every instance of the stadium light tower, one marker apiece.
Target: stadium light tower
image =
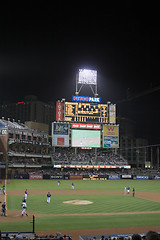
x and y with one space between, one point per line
86 77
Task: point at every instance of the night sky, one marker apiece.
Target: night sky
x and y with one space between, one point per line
42 46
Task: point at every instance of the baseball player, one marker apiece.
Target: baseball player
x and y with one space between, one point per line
4 209
24 208
4 189
25 194
72 185
1 189
48 197
128 190
133 192
58 182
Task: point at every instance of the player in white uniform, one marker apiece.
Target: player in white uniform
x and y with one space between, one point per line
25 194
4 189
1 189
24 208
48 197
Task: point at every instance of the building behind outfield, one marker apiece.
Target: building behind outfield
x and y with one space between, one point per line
29 110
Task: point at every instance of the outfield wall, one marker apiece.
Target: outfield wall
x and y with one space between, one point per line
87 177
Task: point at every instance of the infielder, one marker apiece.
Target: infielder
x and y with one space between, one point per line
24 208
4 189
25 194
3 209
48 197
1 190
133 193
72 185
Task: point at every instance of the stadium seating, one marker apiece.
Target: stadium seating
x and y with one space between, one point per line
87 157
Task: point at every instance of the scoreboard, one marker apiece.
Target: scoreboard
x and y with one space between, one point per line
86 112
89 124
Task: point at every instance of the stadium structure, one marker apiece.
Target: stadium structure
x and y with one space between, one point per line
22 148
83 145
85 136
86 129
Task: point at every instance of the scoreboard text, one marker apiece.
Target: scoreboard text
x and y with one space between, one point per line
86 112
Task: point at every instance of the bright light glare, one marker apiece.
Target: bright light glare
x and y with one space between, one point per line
87 76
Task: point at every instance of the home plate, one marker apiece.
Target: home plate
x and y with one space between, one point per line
78 202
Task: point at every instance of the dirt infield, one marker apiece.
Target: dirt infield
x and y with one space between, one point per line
16 215
145 195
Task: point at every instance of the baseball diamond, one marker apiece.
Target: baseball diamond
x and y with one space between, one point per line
108 212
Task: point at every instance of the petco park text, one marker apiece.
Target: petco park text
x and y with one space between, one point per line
86 99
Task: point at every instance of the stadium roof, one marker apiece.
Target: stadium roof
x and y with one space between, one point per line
2 124
17 126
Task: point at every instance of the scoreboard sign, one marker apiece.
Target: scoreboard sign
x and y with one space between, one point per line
110 136
86 112
3 129
60 134
86 126
86 99
59 111
3 132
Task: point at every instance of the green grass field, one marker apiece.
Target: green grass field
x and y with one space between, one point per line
116 185
101 204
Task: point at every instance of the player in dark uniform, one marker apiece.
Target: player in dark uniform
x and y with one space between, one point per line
4 209
133 192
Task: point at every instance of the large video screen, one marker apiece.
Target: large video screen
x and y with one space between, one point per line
86 138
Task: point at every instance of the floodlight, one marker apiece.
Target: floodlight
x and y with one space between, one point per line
87 76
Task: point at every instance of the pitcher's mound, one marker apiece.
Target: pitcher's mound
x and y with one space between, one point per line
79 202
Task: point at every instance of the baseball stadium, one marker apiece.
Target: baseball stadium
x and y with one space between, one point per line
94 192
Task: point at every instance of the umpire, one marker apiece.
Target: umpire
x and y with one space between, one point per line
4 209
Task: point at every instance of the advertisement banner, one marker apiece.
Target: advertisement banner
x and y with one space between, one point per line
75 177
86 99
126 176
59 111
56 177
3 129
157 177
142 177
86 126
110 136
113 177
112 113
60 134
35 176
